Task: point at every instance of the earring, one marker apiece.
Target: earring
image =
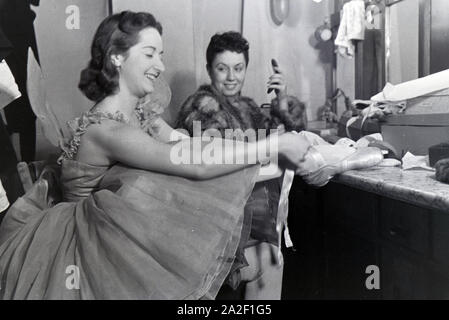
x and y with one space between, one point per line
116 64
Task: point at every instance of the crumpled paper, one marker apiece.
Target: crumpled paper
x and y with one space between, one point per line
410 161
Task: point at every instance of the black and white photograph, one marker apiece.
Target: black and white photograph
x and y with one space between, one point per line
247 152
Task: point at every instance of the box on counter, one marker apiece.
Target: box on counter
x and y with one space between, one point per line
438 152
433 103
424 123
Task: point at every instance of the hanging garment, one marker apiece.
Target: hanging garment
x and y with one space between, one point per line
16 20
9 91
352 27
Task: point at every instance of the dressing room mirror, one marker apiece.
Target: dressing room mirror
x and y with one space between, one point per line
416 38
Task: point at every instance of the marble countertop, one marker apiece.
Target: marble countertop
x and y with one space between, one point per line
417 187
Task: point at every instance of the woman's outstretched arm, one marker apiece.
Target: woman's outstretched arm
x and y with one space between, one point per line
162 131
188 158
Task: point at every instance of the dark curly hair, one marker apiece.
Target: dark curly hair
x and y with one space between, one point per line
227 41
115 35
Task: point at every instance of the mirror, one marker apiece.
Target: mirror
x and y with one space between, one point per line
402 41
416 38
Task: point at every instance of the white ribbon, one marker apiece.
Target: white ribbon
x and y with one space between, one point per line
281 221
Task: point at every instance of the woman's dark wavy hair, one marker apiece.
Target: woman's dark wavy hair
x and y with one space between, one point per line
115 35
227 41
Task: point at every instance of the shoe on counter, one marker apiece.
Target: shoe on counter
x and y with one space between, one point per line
362 158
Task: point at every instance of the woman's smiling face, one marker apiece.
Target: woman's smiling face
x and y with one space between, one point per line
227 72
142 63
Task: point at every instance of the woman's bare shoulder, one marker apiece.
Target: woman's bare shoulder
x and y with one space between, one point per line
95 142
105 130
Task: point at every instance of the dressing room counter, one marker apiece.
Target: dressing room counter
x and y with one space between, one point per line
415 186
384 218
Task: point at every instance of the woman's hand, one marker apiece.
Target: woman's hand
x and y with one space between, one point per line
294 147
277 82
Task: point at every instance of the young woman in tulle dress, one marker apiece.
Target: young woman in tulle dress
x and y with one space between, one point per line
130 223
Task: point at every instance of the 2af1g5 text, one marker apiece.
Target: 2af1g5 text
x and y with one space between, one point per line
245 309
225 309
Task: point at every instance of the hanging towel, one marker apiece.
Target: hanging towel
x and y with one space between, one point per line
352 27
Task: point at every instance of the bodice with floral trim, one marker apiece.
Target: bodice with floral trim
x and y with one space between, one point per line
79 127
80 179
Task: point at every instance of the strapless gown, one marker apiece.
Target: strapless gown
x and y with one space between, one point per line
122 233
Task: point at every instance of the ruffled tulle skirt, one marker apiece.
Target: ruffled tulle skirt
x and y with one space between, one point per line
142 235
